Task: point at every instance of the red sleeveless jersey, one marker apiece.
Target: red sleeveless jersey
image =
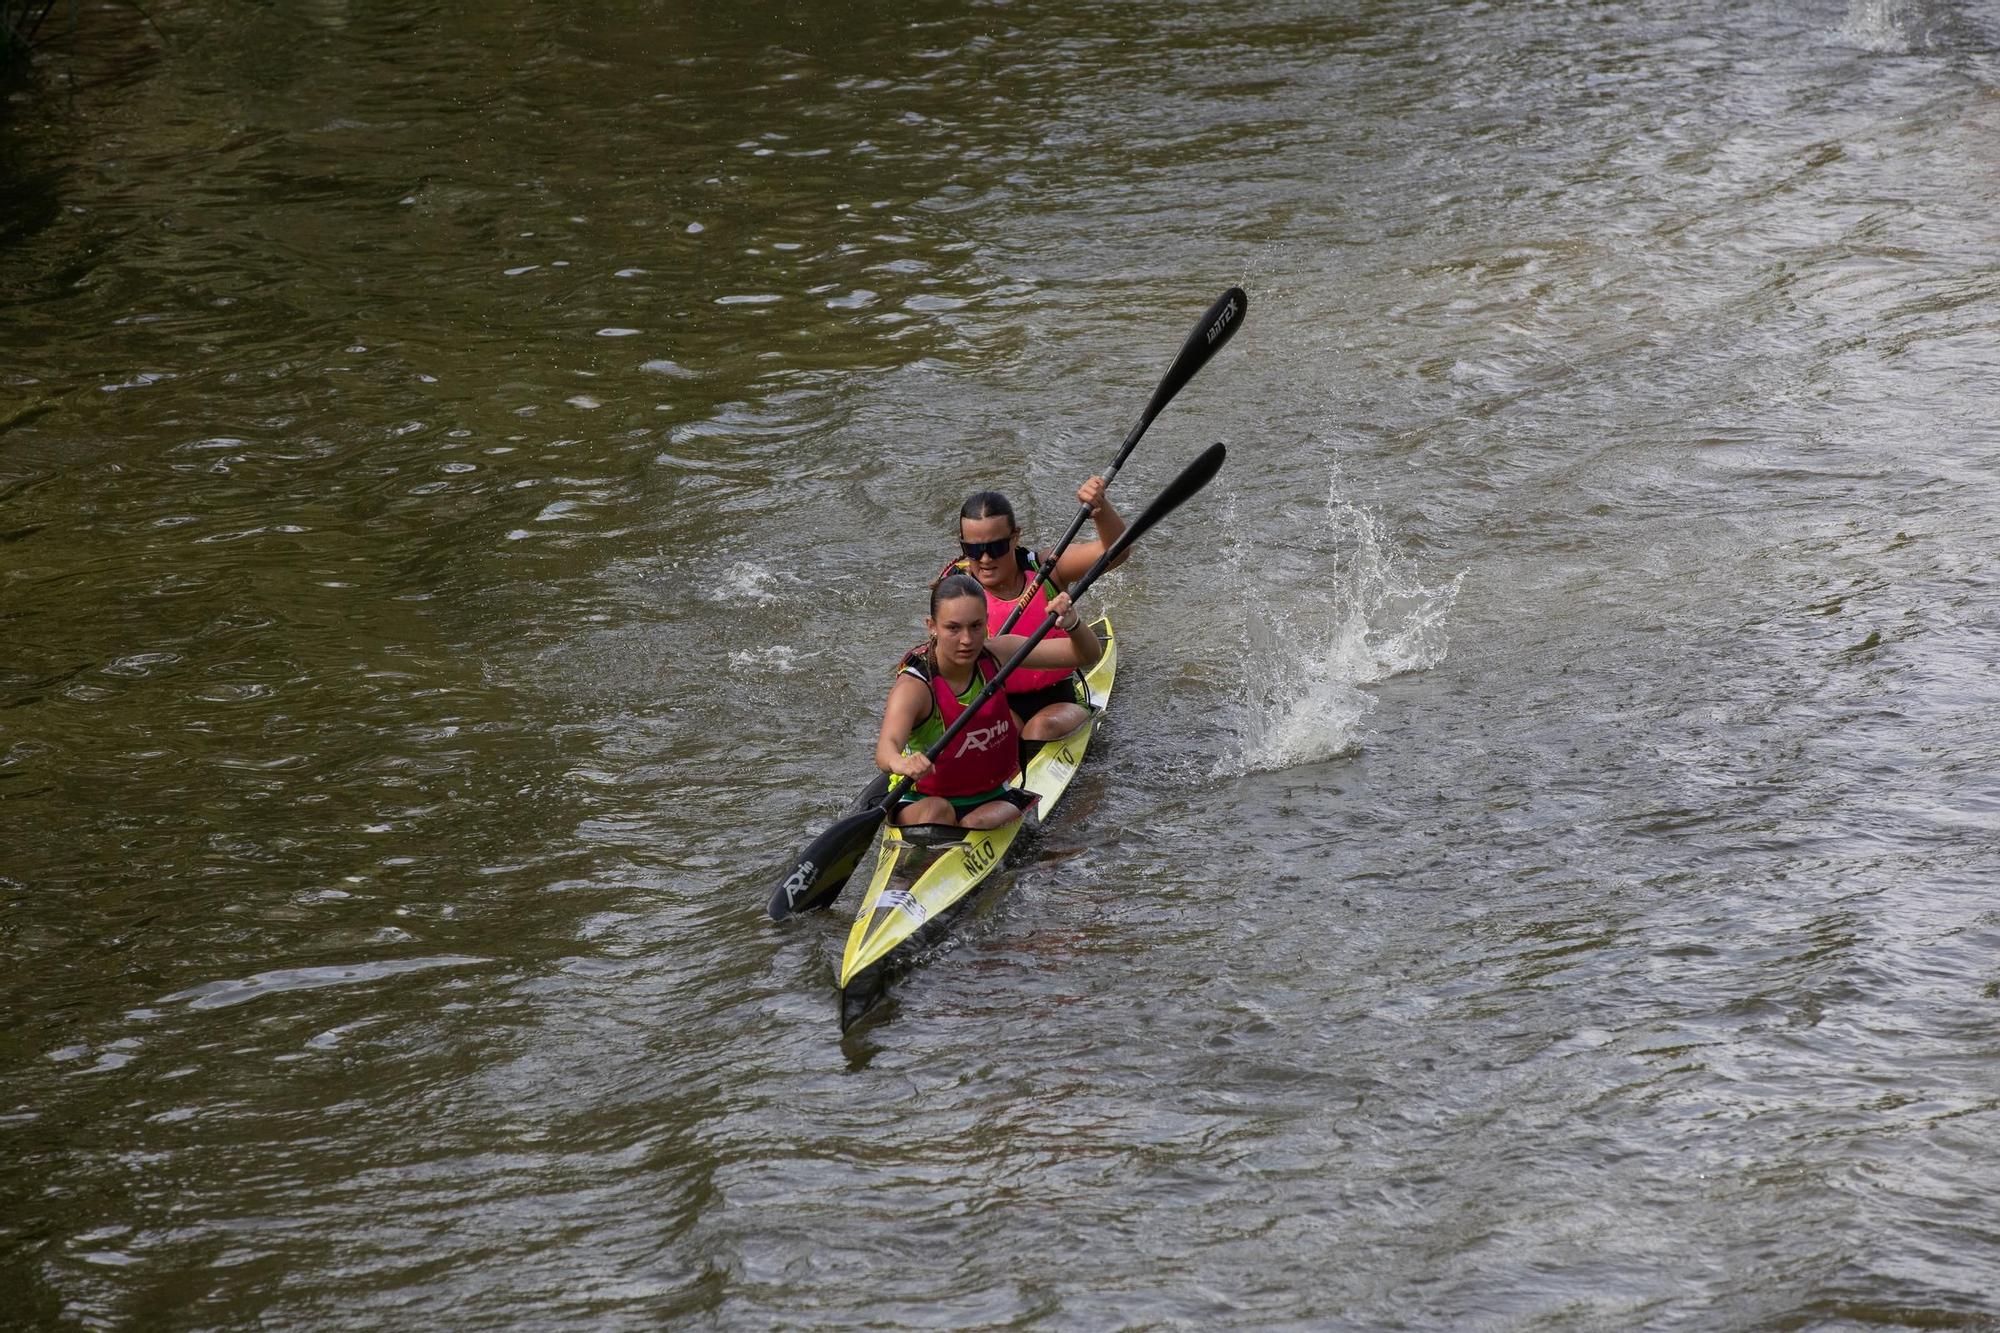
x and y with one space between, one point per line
983 756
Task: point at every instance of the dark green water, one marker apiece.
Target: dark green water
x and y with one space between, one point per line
466 470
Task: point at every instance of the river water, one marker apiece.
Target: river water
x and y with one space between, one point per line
465 471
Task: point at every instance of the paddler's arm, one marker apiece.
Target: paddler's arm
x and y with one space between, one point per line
909 703
1081 649
1077 560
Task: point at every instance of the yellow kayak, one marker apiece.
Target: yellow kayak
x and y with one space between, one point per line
954 860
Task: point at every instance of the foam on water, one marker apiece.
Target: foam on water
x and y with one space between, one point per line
746 582
777 657
1350 612
1873 25
1913 27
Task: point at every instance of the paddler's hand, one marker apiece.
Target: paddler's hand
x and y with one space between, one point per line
1091 495
1066 617
911 766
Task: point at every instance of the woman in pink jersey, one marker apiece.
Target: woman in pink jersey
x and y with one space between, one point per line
936 682
1046 701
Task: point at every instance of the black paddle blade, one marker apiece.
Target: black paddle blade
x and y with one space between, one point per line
823 868
1181 489
1192 478
1215 328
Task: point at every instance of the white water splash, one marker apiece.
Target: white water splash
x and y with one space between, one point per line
777 657
747 583
1912 27
1876 25
1348 613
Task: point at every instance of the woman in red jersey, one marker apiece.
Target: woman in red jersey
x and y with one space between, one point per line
935 684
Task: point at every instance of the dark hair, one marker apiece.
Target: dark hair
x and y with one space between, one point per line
955 585
988 504
948 586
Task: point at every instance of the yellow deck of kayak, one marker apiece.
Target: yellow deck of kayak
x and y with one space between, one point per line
891 912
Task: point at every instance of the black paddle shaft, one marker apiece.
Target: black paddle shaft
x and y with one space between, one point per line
1215 328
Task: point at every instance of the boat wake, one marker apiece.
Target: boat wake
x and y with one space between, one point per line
1348 611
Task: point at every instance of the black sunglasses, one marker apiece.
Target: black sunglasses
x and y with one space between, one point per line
996 548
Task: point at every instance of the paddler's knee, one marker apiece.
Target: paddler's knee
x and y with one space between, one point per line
1054 722
926 810
993 814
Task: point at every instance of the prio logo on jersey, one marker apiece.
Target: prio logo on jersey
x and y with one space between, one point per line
983 739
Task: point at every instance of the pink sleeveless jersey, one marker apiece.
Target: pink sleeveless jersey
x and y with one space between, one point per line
1022 680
